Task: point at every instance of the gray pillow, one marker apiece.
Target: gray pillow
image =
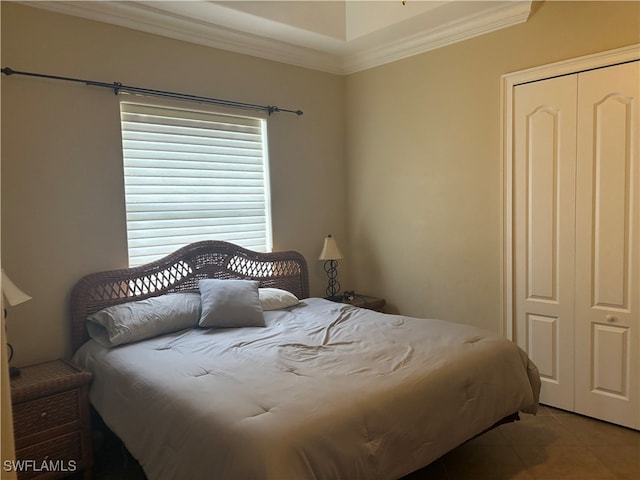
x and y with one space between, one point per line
230 303
135 321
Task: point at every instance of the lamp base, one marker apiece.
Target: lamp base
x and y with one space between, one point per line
331 267
14 372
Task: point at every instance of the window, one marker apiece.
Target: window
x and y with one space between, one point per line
193 175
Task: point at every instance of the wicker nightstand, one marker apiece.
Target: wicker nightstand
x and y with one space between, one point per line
362 301
51 421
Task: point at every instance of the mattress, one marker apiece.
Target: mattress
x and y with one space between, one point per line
325 390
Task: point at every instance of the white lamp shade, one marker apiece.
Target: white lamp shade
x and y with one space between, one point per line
12 294
330 250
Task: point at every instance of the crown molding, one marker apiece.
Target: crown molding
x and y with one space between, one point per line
463 28
141 18
342 58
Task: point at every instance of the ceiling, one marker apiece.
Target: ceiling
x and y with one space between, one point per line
335 36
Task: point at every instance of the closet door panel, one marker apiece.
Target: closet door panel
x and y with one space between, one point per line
610 195
610 371
608 244
544 194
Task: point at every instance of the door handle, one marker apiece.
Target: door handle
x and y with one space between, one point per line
610 318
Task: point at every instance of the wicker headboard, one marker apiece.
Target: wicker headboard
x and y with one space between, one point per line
181 271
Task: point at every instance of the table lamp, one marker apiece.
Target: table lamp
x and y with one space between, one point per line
12 296
330 253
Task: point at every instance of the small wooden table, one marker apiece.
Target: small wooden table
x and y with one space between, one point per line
51 421
362 301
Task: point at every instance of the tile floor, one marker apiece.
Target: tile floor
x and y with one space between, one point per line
553 445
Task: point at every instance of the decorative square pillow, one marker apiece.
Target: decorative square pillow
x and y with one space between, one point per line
135 321
276 299
230 303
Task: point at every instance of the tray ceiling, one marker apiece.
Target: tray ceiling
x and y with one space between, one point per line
334 36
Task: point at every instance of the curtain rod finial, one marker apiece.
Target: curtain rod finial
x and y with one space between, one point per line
7 71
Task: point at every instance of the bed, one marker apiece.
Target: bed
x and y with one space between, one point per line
318 390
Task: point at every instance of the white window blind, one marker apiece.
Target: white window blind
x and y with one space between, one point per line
190 176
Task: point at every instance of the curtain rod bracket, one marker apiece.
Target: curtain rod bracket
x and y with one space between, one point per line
273 109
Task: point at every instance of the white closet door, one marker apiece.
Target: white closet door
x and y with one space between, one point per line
607 307
544 231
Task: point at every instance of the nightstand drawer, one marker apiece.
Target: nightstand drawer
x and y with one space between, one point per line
58 457
44 413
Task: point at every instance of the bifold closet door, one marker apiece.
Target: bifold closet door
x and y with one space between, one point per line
576 234
544 231
607 311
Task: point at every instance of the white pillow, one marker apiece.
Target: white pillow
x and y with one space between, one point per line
230 303
134 321
276 299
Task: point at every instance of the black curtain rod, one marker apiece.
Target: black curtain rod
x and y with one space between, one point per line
117 87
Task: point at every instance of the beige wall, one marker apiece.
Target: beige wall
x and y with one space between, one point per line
424 162
401 163
62 188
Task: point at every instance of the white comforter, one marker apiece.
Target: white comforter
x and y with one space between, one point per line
325 391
